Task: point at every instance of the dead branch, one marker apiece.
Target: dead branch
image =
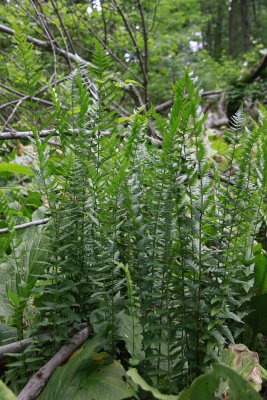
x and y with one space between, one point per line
168 103
43 44
19 346
112 54
137 49
36 384
63 26
27 225
23 135
40 43
44 88
254 71
238 86
23 97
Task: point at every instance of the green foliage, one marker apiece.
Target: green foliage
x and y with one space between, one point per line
17 169
208 386
6 393
88 375
260 271
144 242
138 380
7 334
244 362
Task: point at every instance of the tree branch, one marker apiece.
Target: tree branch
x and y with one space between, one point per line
27 225
43 44
138 52
168 103
20 345
63 26
145 40
24 98
108 50
129 88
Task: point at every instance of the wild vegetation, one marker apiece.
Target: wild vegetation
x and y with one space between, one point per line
133 243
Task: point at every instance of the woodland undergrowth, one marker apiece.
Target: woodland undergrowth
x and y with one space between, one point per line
149 241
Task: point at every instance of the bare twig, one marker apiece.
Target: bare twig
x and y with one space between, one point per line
23 97
145 40
43 44
48 34
168 103
108 49
63 26
124 112
137 49
27 225
104 22
154 16
13 112
129 88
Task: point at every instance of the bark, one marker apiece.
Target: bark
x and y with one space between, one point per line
218 32
36 384
233 28
168 103
17 347
26 225
244 10
219 118
239 85
69 56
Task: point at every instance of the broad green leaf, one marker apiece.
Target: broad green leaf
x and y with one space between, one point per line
88 376
5 392
16 168
244 362
7 334
134 375
221 380
260 273
239 388
131 333
257 319
203 388
104 381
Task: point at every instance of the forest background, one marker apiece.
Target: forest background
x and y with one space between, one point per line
149 45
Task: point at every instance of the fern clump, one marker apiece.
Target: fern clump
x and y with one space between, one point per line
146 242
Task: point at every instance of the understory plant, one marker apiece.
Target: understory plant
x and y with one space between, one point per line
149 240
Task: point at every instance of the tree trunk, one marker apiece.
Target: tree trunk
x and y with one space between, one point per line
244 11
233 28
218 33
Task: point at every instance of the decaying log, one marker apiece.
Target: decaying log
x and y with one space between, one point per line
219 118
38 381
234 102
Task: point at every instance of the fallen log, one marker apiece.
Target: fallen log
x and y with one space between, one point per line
237 87
38 381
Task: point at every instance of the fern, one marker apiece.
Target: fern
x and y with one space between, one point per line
143 243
